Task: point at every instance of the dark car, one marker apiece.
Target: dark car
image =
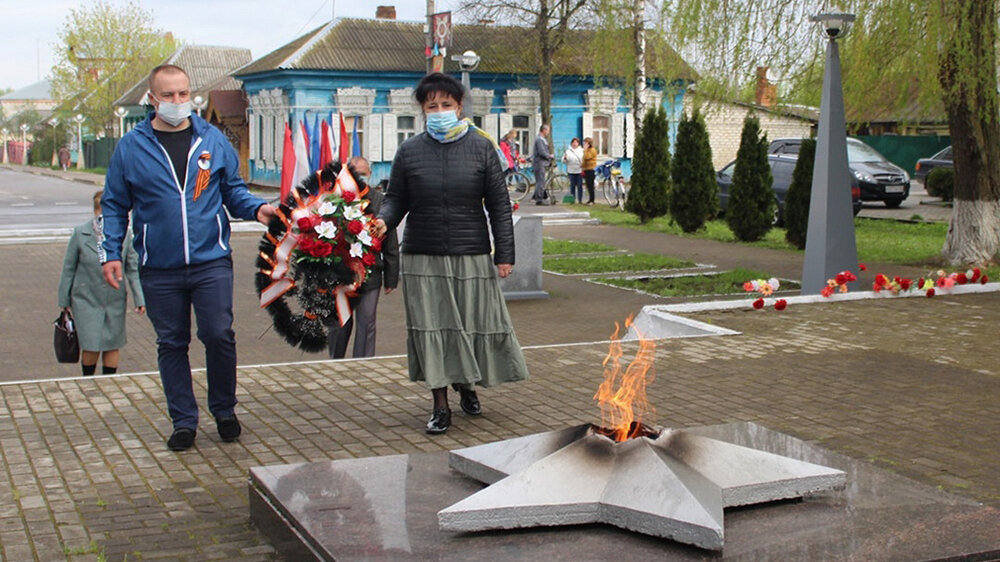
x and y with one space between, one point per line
781 175
925 165
876 178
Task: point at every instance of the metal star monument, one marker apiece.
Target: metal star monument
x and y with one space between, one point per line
673 484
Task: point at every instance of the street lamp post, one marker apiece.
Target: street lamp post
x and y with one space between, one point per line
467 61
830 243
3 153
24 143
79 140
55 141
199 103
121 112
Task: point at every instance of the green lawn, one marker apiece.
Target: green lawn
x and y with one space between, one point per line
551 246
725 283
878 240
613 263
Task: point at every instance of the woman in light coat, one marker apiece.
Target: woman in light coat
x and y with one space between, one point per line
574 160
98 309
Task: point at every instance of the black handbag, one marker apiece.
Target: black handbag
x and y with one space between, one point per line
64 340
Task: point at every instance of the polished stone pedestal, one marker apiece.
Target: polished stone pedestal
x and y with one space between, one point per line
385 508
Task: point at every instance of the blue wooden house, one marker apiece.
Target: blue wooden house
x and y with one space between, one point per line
366 70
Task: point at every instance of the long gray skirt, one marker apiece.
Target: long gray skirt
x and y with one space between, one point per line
458 329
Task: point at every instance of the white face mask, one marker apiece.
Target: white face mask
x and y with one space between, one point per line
173 114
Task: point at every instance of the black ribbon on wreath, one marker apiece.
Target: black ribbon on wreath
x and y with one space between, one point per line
315 282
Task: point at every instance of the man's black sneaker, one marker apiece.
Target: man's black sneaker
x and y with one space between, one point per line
229 428
181 439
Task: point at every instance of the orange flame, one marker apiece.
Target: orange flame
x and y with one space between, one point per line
627 404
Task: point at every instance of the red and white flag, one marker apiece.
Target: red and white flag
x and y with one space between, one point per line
299 140
345 143
287 164
325 146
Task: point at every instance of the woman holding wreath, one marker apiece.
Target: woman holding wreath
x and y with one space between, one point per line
459 332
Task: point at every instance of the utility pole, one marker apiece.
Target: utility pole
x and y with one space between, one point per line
430 34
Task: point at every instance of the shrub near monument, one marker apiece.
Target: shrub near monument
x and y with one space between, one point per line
694 198
649 196
797 198
941 183
751 200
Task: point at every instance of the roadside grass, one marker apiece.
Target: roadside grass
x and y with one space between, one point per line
551 246
724 283
613 263
885 241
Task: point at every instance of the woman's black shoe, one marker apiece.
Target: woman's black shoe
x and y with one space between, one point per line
440 421
470 401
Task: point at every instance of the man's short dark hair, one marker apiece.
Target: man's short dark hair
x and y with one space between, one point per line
438 83
543 127
168 68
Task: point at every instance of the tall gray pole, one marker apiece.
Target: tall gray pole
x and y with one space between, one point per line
430 32
830 243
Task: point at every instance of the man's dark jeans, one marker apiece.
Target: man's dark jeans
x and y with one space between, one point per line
170 294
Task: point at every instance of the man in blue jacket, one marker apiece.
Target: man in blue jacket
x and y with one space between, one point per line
175 172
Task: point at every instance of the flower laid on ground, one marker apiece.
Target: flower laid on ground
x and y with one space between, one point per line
838 283
930 286
765 287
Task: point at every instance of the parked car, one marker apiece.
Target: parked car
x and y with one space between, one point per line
781 174
877 178
940 160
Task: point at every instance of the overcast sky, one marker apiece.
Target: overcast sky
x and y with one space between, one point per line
29 28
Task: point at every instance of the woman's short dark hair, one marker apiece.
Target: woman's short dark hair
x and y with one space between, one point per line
438 83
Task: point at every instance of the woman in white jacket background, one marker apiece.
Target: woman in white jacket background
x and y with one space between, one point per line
573 158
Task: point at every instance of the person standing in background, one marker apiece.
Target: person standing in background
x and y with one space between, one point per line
98 310
385 273
573 158
541 156
588 167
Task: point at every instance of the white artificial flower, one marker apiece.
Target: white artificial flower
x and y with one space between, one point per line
365 237
357 250
326 229
774 283
352 212
327 208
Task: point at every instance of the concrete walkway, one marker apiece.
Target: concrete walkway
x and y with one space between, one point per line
910 385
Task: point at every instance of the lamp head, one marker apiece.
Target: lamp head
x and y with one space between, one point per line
120 111
54 121
25 127
467 61
199 102
79 118
834 25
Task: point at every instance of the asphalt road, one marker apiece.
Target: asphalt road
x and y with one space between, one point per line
34 202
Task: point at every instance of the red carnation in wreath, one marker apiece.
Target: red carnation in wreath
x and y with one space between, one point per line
780 304
758 304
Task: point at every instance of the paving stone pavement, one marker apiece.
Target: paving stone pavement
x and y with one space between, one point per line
910 385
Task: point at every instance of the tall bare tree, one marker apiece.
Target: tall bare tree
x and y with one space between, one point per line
550 21
639 45
103 50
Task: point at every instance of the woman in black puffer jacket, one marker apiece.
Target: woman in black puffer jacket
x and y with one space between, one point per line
458 330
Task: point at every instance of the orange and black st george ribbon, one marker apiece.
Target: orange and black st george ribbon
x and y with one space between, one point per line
204 173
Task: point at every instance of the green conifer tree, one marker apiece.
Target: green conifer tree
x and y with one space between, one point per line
649 194
797 198
694 197
750 211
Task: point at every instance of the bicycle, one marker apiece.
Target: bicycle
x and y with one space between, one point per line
612 184
521 181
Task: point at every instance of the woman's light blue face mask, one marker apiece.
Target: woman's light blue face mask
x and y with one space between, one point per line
442 121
